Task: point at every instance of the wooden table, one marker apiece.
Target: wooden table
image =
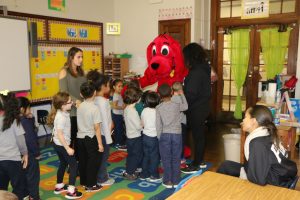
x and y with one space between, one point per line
287 135
211 185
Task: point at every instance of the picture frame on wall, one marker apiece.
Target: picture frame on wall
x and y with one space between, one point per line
113 28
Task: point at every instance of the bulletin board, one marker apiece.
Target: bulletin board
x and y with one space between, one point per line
55 36
51 59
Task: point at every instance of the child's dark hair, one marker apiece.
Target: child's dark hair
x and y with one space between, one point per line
87 89
143 97
263 116
132 95
116 81
9 104
151 100
58 100
165 90
97 78
23 102
134 83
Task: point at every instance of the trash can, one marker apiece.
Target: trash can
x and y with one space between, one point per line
232 146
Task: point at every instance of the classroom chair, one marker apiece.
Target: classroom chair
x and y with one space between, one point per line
42 118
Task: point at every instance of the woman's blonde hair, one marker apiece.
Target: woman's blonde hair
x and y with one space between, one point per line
58 100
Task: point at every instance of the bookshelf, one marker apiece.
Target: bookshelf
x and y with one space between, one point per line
116 68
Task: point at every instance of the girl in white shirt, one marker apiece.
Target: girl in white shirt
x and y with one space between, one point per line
102 85
60 119
150 140
117 115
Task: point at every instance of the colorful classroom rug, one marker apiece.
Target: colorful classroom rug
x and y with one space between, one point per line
121 190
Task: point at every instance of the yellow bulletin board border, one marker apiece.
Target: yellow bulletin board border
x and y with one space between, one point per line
74 32
41 28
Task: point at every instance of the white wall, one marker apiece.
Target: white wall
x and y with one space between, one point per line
139 26
88 10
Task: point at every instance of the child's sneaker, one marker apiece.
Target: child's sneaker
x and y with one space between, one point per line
95 188
129 176
122 148
203 165
143 178
167 185
109 181
61 190
153 179
74 195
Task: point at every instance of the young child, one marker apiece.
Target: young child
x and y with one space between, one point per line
89 140
266 161
60 118
33 168
177 98
12 146
133 133
117 115
168 127
150 142
102 86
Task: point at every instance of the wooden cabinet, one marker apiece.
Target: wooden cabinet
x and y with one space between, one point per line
116 67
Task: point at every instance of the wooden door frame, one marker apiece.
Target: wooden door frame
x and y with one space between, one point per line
186 22
217 24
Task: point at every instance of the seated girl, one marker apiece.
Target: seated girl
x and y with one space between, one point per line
266 161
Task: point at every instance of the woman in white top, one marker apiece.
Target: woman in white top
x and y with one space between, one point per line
60 119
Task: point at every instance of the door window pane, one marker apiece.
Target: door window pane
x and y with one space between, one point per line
288 6
275 6
225 9
236 9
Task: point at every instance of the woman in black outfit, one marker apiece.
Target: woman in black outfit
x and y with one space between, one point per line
197 89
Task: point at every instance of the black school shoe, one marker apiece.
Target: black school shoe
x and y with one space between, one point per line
74 195
61 190
190 169
95 188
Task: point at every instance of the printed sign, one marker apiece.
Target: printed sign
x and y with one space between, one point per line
255 9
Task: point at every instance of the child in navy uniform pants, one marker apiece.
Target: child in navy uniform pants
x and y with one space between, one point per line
150 141
168 127
33 168
12 146
133 133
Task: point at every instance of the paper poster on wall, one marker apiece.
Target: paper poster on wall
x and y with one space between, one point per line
58 5
255 9
113 28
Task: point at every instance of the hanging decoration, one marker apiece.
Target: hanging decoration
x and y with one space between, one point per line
175 13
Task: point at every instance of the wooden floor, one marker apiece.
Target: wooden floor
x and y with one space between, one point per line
214 152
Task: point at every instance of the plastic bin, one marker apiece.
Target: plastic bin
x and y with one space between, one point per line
232 146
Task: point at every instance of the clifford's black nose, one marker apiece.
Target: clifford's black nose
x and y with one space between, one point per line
154 65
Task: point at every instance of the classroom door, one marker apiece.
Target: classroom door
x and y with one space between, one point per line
179 29
256 70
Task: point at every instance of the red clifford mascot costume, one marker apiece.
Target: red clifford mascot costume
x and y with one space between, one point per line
165 62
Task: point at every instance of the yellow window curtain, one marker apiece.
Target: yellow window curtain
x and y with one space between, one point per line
274 47
239 57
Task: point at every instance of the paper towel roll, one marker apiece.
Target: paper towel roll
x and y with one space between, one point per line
271 95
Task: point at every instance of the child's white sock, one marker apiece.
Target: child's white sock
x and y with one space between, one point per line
71 189
59 185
